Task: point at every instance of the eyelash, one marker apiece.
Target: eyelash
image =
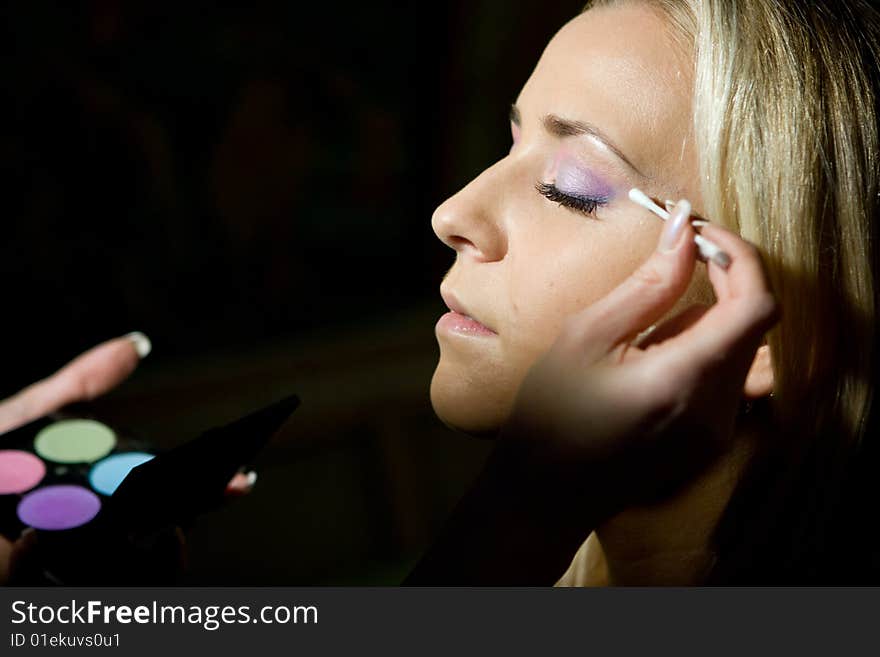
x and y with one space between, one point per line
586 205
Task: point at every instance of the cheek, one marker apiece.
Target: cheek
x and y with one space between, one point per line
555 266
563 270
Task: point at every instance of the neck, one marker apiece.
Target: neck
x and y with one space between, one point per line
669 543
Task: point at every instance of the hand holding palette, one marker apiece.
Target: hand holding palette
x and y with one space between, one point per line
105 507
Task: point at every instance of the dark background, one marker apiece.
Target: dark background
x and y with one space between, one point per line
252 187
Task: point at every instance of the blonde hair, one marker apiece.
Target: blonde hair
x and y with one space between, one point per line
786 127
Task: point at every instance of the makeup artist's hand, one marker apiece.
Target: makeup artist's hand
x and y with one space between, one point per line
621 423
86 377
90 375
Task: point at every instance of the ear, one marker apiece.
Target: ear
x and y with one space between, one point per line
759 380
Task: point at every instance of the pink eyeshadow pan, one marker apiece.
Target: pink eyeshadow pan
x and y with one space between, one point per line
19 471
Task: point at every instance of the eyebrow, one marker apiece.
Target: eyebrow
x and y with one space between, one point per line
560 127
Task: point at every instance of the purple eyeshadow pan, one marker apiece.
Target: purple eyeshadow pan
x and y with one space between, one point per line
58 507
19 471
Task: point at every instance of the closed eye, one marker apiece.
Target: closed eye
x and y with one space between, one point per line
584 204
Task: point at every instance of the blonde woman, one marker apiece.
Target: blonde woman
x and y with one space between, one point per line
659 419
763 115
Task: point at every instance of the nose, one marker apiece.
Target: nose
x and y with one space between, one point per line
471 221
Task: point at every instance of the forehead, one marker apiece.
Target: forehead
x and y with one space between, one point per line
620 68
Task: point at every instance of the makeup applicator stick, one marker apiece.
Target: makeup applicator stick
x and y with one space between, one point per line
708 249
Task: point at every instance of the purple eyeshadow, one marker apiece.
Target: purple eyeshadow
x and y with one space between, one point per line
58 507
576 181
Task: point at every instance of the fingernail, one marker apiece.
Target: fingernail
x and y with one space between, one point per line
675 226
670 205
241 483
721 259
699 223
141 342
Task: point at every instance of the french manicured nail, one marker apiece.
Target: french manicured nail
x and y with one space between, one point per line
141 342
675 225
241 483
699 223
670 205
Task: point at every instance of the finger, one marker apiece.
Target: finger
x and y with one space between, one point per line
673 326
12 553
5 559
630 353
749 278
89 375
644 296
746 308
241 484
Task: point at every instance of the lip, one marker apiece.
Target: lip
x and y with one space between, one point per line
459 320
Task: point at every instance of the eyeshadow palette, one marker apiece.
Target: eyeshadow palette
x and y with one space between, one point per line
56 472
106 507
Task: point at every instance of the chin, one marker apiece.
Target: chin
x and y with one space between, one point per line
466 402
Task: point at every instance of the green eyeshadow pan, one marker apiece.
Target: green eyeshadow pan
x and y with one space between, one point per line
75 441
